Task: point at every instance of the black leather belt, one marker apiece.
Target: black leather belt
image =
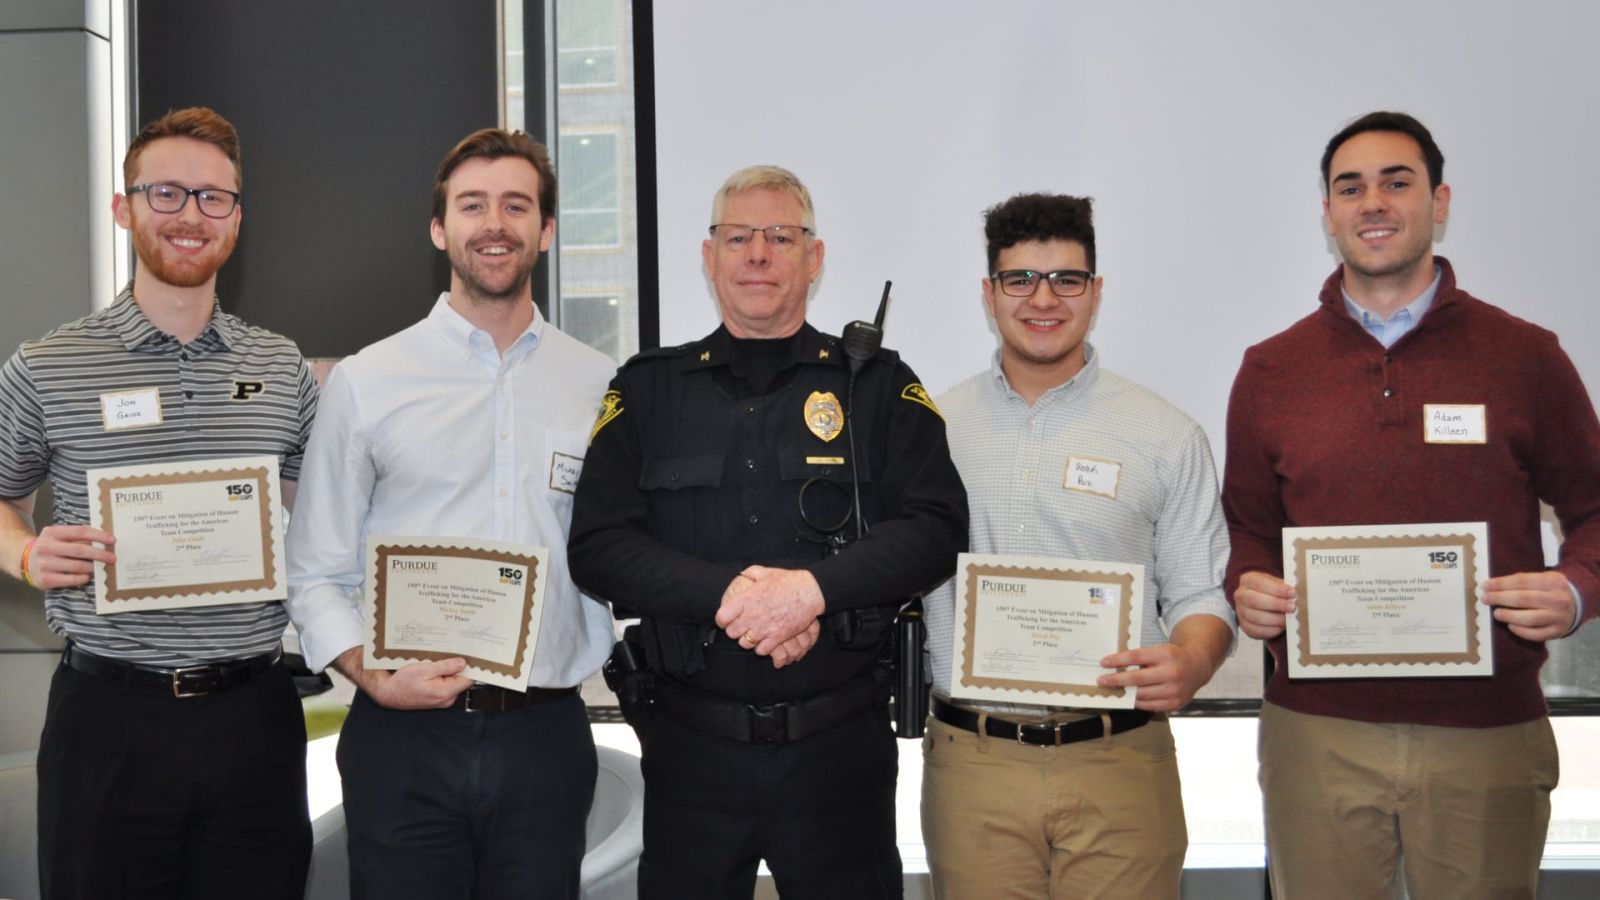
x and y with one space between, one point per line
188 681
1038 733
772 723
489 698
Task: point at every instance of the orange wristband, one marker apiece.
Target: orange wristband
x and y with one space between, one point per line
27 551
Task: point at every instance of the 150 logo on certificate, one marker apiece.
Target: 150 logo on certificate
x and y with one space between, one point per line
1034 630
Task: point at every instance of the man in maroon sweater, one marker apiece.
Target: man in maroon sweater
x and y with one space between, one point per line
1325 427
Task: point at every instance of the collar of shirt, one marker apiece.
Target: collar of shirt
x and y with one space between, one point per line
1062 392
475 344
809 346
135 330
1402 320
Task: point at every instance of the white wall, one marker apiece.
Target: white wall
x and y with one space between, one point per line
1196 126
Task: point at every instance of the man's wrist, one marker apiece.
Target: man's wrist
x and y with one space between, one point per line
1577 612
22 564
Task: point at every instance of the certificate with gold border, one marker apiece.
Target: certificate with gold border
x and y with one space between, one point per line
430 598
1032 630
194 533
1389 601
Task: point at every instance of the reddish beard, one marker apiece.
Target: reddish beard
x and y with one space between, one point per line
179 270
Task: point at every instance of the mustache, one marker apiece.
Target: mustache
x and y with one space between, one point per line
495 237
180 231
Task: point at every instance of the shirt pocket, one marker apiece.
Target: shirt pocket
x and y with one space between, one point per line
687 506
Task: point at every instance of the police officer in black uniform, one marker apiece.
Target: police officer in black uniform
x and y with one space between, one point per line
764 507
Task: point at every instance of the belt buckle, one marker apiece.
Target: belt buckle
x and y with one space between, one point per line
769 723
467 698
177 682
1053 728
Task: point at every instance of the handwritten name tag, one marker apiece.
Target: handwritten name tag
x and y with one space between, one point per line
564 472
1443 424
131 409
1093 476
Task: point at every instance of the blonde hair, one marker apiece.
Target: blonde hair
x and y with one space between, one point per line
765 178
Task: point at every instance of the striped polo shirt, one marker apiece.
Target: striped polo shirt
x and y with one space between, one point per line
51 426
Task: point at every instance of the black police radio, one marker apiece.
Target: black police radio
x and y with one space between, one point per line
910 690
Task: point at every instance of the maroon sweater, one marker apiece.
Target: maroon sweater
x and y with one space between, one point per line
1325 428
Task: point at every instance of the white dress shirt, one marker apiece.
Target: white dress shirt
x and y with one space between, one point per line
432 432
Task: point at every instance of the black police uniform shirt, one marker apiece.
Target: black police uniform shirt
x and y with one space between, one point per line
696 468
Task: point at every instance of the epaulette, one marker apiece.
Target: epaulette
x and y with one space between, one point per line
661 353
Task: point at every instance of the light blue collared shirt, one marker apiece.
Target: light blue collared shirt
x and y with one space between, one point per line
1402 320
432 432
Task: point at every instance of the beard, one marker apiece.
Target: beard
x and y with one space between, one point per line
182 271
479 284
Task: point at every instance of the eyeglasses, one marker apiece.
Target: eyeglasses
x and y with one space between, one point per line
1023 282
170 198
737 237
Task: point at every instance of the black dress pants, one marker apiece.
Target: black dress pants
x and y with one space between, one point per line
820 811
444 804
144 795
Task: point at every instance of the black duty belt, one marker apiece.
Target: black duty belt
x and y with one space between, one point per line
188 681
772 723
1039 733
489 698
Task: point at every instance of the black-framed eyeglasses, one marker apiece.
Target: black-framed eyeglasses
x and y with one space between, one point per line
170 198
734 237
1023 282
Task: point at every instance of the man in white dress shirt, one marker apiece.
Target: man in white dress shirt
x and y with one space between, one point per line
469 424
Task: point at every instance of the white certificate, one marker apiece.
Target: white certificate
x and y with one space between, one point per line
1389 601
438 598
1034 630
196 533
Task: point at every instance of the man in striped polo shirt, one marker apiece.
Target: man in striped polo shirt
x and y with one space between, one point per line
172 761
1064 459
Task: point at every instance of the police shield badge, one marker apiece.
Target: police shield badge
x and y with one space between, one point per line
824 416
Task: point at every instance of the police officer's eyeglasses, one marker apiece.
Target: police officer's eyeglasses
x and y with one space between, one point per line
169 198
737 237
1023 282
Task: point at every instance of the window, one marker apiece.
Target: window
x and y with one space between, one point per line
599 318
586 44
592 119
590 206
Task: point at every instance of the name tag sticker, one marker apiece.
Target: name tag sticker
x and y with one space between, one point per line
564 471
1093 476
1444 424
131 409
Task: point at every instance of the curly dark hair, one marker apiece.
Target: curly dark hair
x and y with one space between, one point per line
1039 217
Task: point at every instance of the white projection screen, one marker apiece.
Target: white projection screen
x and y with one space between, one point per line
1196 127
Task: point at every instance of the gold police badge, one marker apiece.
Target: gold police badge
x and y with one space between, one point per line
824 416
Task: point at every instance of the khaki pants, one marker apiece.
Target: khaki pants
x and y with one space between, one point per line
1100 818
1467 806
